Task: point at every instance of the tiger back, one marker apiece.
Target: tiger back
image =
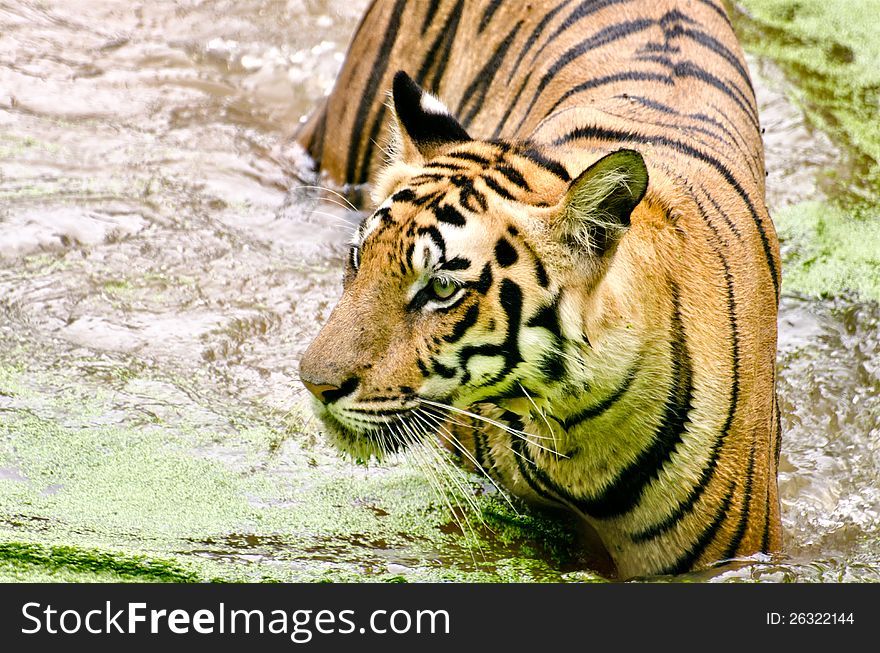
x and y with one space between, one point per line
571 277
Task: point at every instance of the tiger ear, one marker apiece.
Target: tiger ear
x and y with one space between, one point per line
424 124
597 206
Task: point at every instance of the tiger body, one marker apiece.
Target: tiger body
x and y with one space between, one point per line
596 276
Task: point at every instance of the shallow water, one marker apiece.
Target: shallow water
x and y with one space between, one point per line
159 280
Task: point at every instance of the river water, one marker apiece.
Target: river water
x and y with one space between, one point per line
162 269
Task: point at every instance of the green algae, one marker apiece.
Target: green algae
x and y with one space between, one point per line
830 51
171 500
829 251
64 560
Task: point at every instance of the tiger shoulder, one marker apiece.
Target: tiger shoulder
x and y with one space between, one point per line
569 277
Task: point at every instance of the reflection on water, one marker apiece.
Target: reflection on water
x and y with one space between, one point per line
152 251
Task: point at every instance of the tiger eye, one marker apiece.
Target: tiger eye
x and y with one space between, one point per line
443 288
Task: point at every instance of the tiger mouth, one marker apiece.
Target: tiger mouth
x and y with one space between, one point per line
379 432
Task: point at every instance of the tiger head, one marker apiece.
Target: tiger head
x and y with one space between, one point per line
452 287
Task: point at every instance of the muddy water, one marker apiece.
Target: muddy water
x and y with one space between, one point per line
162 269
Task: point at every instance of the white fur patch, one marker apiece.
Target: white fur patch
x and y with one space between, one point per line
431 104
425 254
370 224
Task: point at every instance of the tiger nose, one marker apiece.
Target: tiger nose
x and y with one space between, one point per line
327 393
320 389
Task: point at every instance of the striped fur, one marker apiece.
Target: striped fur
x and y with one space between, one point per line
620 340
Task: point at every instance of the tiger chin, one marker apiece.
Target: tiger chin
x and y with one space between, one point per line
575 321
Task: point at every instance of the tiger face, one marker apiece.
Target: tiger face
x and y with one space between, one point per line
451 288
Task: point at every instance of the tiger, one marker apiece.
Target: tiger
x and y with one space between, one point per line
570 277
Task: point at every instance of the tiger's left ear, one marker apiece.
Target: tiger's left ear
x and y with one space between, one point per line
424 124
597 206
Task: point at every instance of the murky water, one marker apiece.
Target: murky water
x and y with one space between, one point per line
159 280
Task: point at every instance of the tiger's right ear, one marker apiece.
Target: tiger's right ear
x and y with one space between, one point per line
595 212
424 124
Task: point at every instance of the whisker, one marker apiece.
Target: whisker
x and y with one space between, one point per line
482 418
458 445
328 190
527 437
340 222
431 473
543 417
443 462
330 200
449 476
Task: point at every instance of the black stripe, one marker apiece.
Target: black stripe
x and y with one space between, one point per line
405 195
368 95
721 148
505 253
733 140
426 178
712 463
450 215
765 537
734 127
487 14
498 188
669 110
547 317
586 8
533 37
778 429
467 193
510 297
527 467
550 165
429 15
434 234
445 165
457 263
663 60
406 266
475 93
605 404
730 223
541 273
503 122
469 156
434 66
601 38
464 324
627 488
687 561
514 176
742 525
484 283
588 132
718 10
754 158
721 50
442 370
690 69
478 451
626 76
552 367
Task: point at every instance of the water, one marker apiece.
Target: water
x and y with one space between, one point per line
159 280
